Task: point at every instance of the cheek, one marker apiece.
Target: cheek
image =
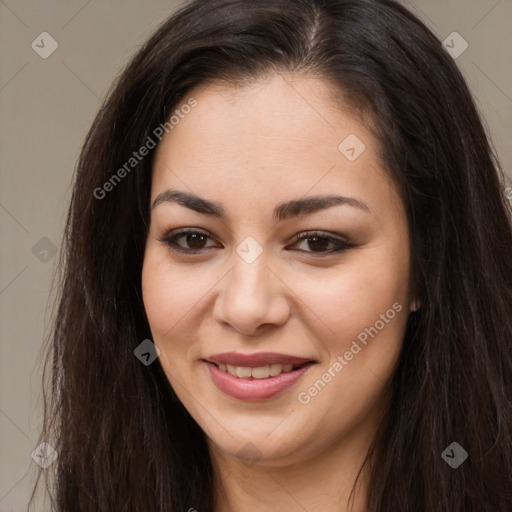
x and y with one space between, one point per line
367 316
157 293
168 298
353 297
169 294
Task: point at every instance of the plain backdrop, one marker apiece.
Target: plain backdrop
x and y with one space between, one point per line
46 107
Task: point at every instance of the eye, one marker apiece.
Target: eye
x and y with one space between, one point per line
322 243
194 239
195 242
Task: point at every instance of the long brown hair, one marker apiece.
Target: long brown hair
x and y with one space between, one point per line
125 442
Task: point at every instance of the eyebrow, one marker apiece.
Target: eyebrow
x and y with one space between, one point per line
284 211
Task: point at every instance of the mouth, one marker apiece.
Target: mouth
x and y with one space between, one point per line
256 376
259 372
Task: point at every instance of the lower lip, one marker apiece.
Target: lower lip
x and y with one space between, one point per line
255 389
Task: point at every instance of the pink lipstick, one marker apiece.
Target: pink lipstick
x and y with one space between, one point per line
256 376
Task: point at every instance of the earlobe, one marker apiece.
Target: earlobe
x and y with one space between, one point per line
415 305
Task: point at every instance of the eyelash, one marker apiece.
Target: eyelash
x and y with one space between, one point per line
340 244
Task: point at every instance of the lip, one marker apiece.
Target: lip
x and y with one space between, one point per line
255 389
257 359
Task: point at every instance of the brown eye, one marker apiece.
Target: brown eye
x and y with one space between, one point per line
195 240
321 243
192 241
317 243
187 241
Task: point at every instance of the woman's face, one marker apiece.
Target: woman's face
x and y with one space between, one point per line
254 168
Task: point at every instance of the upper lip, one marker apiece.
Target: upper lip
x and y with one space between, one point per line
256 360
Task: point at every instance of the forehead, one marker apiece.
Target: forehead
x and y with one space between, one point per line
277 106
280 135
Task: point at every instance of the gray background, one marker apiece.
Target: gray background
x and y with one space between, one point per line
46 108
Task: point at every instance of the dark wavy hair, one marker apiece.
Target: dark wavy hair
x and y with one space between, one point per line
125 441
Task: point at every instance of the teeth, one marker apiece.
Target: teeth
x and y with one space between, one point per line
275 369
244 372
262 372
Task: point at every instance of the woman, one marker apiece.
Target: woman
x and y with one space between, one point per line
287 276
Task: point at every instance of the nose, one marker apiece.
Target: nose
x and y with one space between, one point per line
252 297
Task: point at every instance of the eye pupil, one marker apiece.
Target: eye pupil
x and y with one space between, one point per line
318 243
195 240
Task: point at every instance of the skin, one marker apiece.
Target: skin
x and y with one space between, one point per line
250 149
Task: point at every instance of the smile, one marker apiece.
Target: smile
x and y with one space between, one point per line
260 372
247 377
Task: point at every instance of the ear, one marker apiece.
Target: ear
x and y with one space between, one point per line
415 305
